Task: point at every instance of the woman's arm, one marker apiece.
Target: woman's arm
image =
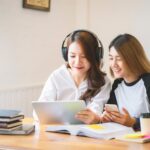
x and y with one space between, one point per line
49 91
97 102
95 107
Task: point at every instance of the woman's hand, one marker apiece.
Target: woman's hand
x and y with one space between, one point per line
106 117
123 118
88 116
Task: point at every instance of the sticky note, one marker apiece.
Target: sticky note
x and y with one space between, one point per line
134 136
147 136
95 127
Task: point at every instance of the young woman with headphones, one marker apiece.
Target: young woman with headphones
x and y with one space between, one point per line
81 77
131 89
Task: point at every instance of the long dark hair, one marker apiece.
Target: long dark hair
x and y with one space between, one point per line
95 76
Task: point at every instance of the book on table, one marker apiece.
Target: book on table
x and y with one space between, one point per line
10 128
9 115
137 137
10 124
101 131
10 119
24 129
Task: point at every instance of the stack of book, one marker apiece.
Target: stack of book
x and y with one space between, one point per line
11 123
10 119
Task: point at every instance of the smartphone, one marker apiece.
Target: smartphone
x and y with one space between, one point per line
111 107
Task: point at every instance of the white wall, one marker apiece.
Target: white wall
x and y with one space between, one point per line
108 18
30 40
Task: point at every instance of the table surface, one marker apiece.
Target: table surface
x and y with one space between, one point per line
42 140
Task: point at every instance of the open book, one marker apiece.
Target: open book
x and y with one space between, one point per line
101 131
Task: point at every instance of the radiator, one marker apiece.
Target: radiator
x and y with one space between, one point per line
20 99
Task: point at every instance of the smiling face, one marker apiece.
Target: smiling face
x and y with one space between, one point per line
127 58
77 60
118 65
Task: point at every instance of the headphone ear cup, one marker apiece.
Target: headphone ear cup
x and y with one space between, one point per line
99 54
65 53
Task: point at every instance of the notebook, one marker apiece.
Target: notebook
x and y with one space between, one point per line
10 124
21 130
135 137
9 115
62 112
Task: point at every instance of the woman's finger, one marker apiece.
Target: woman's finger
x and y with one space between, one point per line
106 116
116 114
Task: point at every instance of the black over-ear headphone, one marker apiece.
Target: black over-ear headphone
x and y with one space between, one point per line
99 50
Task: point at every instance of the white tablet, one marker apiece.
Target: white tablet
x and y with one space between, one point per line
52 112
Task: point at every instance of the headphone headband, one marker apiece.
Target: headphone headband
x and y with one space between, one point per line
100 49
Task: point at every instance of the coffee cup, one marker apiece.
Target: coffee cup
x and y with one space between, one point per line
145 123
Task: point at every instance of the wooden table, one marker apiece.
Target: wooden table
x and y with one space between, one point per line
42 140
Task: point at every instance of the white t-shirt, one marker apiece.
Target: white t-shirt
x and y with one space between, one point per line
134 96
61 86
